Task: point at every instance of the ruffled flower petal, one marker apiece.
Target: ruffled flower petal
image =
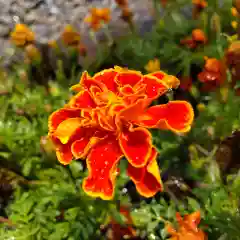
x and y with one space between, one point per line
82 100
128 77
108 78
67 128
60 115
147 179
86 82
159 74
169 80
136 144
89 137
154 86
102 166
176 116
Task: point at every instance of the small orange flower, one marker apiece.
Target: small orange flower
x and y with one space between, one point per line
53 44
187 228
122 3
127 14
32 53
213 74
199 36
234 12
234 24
153 66
186 83
98 16
120 232
108 119
200 3
164 2
22 35
82 50
70 36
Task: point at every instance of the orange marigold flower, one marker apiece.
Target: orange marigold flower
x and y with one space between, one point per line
200 3
32 53
122 3
127 14
22 35
187 228
164 2
70 36
108 119
153 66
186 83
234 12
97 16
199 36
123 232
234 24
213 74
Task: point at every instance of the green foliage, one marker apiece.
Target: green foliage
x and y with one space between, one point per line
42 199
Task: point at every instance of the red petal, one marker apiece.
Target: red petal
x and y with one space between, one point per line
108 78
136 144
60 115
86 82
64 154
82 100
147 179
154 86
87 138
160 75
175 115
102 166
128 77
63 151
66 129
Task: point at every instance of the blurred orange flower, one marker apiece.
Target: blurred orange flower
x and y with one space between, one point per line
22 35
200 3
120 232
32 53
187 228
199 36
153 66
122 3
97 16
186 83
213 74
70 36
127 14
234 12
234 24
108 119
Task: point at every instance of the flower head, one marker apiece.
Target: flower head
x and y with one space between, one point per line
213 74
22 35
70 36
186 83
234 24
123 232
153 65
234 12
200 3
108 119
97 17
122 3
187 228
199 36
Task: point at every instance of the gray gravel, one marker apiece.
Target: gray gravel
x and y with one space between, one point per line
48 17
